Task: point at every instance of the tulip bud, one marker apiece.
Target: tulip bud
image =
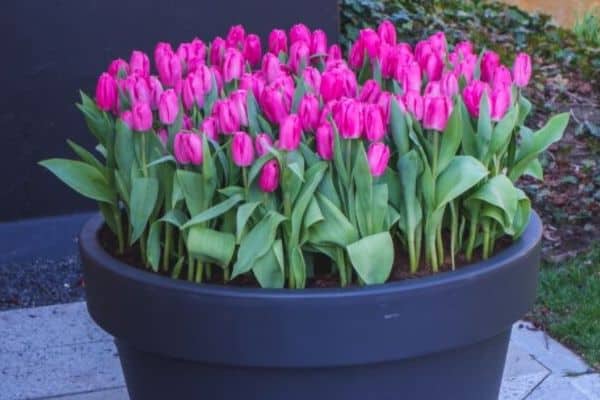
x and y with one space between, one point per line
242 149
370 92
308 110
141 117
378 156
118 68
327 111
197 50
356 58
449 84
290 133
332 85
268 180
384 104
500 100
433 89
410 76
502 77
334 53
350 83
139 64
318 43
187 123
299 56
387 32
388 60
466 68
433 65
436 112
188 148
472 94
229 121
169 69
277 42
156 90
233 65
137 88
300 33
215 73
254 83
161 50
325 141
239 100
217 51
252 49
262 144
374 126
463 49
276 103
236 36
312 79
127 118
349 119
271 67
209 128
439 44
522 70
414 104
371 42
168 107
106 92
489 62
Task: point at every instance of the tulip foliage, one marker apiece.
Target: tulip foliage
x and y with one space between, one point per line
230 162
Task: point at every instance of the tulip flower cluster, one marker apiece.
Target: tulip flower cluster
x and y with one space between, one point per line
238 157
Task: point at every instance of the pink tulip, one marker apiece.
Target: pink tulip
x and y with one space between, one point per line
325 141
312 79
275 102
139 64
299 56
137 88
262 143
472 94
522 70
370 92
229 121
500 101
214 71
169 69
449 84
168 107
378 156
278 42
252 49
489 62
349 118
242 149
374 125
268 180
233 65
204 76
384 104
327 111
422 50
217 51
318 44
127 118
334 52
193 91
188 148
290 133
308 111
464 48
141 116
118 68
371 42
236 36
466 68
350 82
239 100
356 58
156 90
300 33
502 77
436 112
271 67
410 77
433 89
161 50
332 85
253 82
389 57
433 66
209 127
414 104
387 32
439 44
106 92
187 123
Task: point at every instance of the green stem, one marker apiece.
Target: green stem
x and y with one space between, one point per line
208 271
119 222
245 179
453 232
431 245
412 254
143 154
226 275
440 244
473 225
166 255
199 271
486 238
435 151
191 268
341 267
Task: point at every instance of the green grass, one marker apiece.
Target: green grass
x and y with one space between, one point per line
568 304
587 28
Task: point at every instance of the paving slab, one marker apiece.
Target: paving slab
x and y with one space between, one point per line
57 352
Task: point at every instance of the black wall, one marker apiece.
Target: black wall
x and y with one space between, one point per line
52 48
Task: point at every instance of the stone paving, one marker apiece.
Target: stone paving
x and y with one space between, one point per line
56 352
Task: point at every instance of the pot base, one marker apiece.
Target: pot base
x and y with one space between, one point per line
469 373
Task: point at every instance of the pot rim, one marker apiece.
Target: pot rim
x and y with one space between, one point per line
89 243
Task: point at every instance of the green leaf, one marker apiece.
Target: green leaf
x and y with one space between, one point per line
335 227
524 110
503 132
499 192
162 160
268 269
257 167
469 139
87 157
264 125
153 245
484 125
363 181
174 217
411 213
213 212
380 208
298 94
398 127
522 215
125 151
244 212
538 143
372 257
451 139
313 178
210 245
298 267
144 193
81 177
313 214
177 268
462 173
257 242
534 169
252 108
211 97
191 186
